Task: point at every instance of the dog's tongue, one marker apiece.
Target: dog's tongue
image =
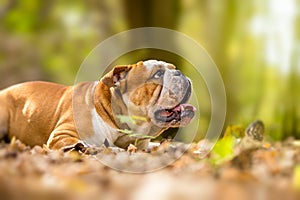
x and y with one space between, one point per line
183 107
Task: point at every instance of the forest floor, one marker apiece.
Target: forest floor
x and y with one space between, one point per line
38 173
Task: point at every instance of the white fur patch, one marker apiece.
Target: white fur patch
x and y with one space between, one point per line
150 63
101 130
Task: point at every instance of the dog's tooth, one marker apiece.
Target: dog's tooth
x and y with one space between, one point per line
181 108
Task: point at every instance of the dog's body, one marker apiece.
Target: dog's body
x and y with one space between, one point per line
40 113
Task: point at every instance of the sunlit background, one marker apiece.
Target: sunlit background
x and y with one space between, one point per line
255 45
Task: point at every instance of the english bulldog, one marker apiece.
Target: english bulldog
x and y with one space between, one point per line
130 104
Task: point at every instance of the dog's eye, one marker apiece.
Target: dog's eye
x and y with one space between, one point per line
158 74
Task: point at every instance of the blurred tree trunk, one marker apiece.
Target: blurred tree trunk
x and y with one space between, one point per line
220 27
154 13
290 124
235 54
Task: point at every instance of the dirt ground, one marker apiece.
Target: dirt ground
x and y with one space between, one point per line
38 173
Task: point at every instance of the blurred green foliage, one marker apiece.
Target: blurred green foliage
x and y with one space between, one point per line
255 45
223 150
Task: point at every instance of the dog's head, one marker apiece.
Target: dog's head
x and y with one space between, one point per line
152 94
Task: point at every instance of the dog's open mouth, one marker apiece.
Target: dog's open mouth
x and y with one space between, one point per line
182 113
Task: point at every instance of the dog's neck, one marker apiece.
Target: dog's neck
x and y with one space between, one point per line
102 102
104 112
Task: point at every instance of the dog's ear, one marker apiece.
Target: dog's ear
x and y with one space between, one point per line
115 75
